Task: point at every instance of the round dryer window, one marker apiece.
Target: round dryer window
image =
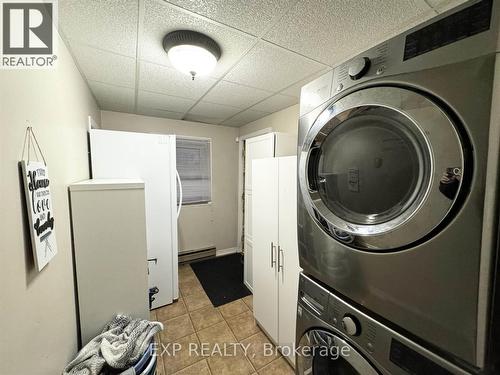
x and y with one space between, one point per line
381 168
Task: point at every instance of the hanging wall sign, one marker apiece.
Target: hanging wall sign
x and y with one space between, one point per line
40 213
39 209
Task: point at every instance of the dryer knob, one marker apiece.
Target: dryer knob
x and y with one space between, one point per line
351 325
359 67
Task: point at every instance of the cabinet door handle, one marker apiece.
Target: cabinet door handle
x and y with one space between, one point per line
281 256
273 261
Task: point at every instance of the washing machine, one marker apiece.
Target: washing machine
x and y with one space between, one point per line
398 169
336 338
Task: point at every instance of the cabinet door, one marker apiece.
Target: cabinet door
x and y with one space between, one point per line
265 241
255 148
258 147
288 277
248 241
247 267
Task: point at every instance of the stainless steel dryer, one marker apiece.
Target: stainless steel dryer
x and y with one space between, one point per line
336 338
398 165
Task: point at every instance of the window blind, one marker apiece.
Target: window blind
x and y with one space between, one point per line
194 167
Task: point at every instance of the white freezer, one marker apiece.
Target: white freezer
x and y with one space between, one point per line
152 158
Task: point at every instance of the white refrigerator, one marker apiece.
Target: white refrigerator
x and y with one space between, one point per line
152 158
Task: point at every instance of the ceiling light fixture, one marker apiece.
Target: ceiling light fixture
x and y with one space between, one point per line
191 52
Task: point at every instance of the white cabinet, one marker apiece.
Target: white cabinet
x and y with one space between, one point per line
266 235
288 256
263 146
275 248
110 252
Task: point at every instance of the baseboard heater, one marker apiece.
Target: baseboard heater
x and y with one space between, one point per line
192 255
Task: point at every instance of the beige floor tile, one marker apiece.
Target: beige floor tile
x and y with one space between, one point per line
196 301
183 358
171 311
190 287
160 370
217 334
205 317
231 364
258 347
243 325
199 368
233 308
186 273
152 315
185 269
248 301
187 277
278 367
176 328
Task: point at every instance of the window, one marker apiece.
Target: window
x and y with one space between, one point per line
194 167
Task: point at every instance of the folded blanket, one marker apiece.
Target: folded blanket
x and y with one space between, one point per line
119 346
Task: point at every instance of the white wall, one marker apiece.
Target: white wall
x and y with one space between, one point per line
285 121
37 310
198 224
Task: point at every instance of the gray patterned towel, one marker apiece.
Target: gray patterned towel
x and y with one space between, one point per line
120 345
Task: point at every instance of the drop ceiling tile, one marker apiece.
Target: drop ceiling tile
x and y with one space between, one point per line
113 98
169 81
214 110
162 102
444 5
161 18
233 123
204 119
329 31
159 113
116 107
235 95
109 25
294 90
272 68
107 67
244 117
239 14
275 103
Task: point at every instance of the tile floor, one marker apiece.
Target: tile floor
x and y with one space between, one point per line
194 320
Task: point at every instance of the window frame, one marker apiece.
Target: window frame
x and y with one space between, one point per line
210 155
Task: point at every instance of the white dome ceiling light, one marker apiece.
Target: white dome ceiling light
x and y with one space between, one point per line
191 52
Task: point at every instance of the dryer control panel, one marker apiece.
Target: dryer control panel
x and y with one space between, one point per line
459 34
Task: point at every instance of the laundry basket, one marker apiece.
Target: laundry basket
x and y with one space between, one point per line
151 367
148 360
146 365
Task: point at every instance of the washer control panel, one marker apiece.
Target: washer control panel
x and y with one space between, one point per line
384 347
351 325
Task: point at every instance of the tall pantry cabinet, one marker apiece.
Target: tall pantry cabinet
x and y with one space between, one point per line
263 146
275 252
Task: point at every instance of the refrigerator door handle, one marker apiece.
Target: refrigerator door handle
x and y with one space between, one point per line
180 193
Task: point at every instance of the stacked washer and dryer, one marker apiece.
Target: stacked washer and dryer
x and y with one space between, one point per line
398 206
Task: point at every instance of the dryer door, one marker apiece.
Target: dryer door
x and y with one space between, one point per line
321 352
381 168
